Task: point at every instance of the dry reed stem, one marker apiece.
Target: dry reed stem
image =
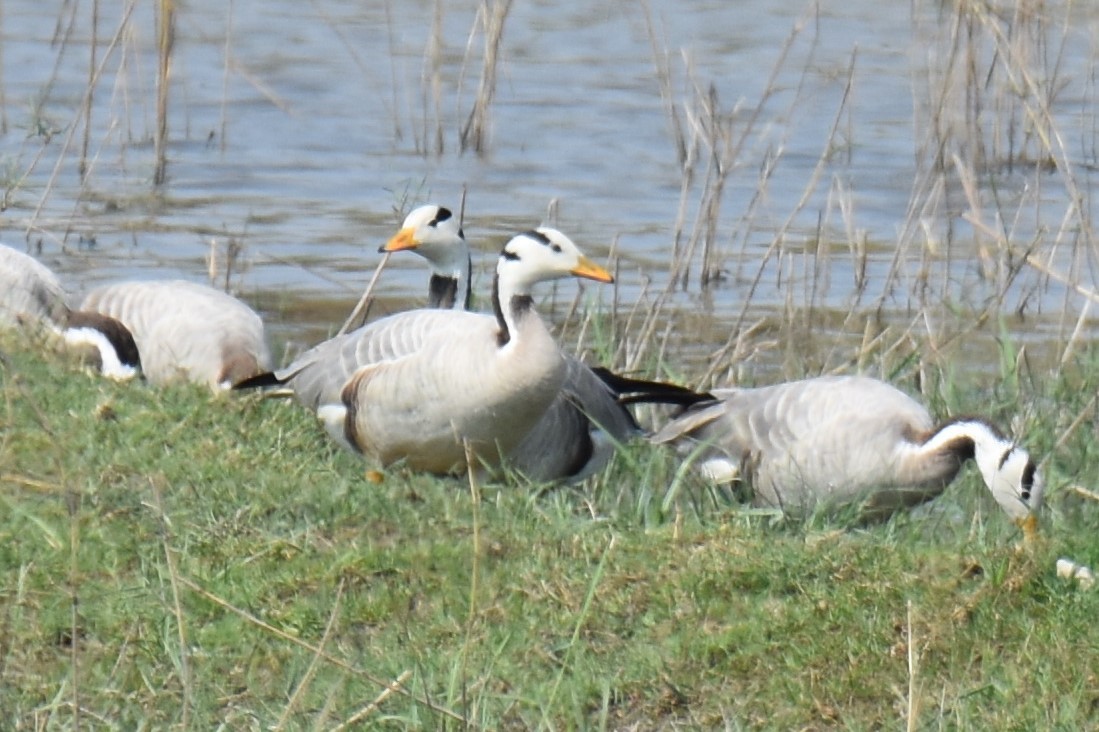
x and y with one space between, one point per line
92 46
362 307
227 50
1084 492
339 663
86 100
3 93
165 41
314 664
373 706
474 131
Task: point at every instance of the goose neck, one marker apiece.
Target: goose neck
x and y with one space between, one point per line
972 439
511 305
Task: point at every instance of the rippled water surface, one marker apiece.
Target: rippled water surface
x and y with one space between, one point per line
300 129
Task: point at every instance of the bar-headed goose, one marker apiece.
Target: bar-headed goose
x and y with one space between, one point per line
30 292
432 232
186 331
31 295
424 382
837 440
578 433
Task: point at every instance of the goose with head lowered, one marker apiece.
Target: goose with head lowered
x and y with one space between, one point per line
577 434
427 383
186 331
848 440
31 296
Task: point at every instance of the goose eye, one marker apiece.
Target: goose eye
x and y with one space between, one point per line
557 248
1027 482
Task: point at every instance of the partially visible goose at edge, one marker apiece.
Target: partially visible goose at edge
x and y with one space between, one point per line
186 331
431 381
29 291
839 440
31 297
578 433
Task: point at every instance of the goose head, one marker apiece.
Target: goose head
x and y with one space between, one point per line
529 258
435 234
115 351
1013 479
540 255
1007 469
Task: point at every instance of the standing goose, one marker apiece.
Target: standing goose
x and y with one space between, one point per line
838 440
424 381
31 295
577 434
185 330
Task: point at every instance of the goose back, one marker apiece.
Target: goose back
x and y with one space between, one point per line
186 331
828 440
29 291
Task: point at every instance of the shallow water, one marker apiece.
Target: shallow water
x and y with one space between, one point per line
300 129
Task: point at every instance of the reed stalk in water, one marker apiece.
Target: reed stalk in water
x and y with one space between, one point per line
165 41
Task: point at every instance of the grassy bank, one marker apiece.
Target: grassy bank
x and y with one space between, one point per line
173 559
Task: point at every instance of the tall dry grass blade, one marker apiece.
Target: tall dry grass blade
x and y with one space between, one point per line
177 607
165 42
913 706
474 132
581 618
339 663
73 499
314 664
474 570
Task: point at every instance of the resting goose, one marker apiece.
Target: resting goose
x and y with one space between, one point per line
186 331
421 383
837 440
433 233
31 295
29 291
577 434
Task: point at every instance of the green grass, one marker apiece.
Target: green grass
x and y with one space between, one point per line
169 558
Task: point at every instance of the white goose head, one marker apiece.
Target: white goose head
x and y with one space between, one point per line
115 348
1007 469
532 257
435 234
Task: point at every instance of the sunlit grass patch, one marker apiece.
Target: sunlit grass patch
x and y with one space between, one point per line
171 556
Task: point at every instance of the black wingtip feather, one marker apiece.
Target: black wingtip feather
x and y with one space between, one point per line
259 381
641 391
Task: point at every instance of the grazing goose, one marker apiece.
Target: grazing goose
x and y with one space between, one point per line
32 295
837 440
185 330
421 382
29 291
577 435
